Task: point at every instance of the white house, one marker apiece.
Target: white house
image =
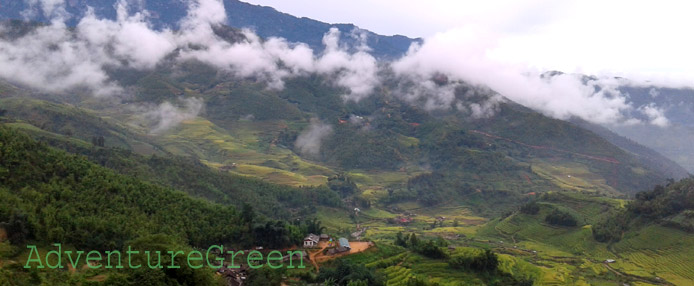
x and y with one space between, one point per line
311 240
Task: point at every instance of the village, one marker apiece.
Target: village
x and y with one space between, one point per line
314 250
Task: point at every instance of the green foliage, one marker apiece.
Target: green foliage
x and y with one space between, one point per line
611 228
314 226
649 206
346 272
664 201
531 208
265 276
343 185
61 197
197 179
561 218
18 227
486 261
431 248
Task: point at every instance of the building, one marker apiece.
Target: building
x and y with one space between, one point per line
343 245
324 237
311 240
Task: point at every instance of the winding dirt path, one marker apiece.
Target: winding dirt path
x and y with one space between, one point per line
312 255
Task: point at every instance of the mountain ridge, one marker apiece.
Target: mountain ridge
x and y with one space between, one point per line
265 21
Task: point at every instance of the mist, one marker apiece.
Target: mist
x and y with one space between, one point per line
167 115
309 141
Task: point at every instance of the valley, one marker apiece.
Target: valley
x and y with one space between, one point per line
179 128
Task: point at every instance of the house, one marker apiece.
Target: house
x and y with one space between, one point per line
311 240
324 236
343 245
610 261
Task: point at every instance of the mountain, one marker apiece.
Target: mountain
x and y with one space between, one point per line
265 21
673 140
646 155
268 22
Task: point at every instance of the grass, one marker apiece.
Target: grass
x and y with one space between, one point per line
658 251
571 176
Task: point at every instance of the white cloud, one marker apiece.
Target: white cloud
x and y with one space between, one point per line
357 72
52 59
310 140
465 54
166 115
51 9
656 116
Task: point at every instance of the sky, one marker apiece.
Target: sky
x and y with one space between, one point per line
642 40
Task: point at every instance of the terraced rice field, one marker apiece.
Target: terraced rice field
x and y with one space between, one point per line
658 251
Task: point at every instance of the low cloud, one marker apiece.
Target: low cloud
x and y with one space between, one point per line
53 59
357 72
167 115
464 54
56 59
656 116
310 140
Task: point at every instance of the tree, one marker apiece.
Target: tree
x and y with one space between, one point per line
314 226
247 214
486 261
399 240
98 141
414 242
343 185
531 208
18 228
557 217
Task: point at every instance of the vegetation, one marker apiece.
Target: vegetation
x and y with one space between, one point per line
531 208
557 217
672 205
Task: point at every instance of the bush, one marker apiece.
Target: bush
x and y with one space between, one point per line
557 217
531 208
484 262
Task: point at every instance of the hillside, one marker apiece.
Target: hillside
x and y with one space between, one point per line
646 155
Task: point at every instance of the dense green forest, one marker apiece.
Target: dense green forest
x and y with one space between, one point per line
51 196
671 205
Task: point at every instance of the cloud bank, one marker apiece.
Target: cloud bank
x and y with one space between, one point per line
54 58
464 54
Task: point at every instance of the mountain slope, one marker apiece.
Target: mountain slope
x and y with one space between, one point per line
647 156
